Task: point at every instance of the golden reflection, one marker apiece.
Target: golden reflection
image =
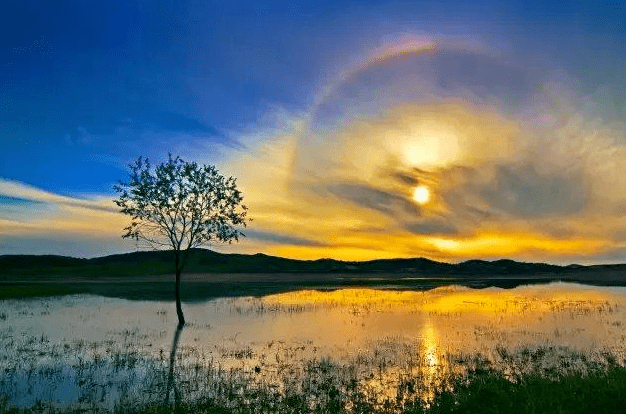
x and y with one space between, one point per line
432 366
405 342
430 344
447 300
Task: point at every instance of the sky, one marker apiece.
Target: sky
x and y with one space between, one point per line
357 130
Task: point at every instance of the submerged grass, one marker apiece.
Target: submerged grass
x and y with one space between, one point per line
326 389
486 392
125 373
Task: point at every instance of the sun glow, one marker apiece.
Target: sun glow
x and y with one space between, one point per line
421 194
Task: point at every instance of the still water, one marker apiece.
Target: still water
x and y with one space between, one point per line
96 352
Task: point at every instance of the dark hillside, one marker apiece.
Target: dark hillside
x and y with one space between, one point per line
208 261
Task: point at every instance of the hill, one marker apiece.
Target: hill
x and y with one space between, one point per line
208 261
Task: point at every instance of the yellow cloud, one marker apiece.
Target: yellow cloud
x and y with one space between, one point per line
486 179
60 216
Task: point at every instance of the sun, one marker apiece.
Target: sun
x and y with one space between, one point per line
421 194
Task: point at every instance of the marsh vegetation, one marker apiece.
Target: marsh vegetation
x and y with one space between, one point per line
344 350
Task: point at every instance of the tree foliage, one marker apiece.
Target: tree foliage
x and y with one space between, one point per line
181 204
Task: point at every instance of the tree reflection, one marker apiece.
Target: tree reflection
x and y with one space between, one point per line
170 377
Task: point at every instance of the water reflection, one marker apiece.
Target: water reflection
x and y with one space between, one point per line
430 347
433 365
383 345
170 377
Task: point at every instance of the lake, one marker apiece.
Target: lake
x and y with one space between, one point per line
383 346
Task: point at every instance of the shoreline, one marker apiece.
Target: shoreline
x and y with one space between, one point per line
204 286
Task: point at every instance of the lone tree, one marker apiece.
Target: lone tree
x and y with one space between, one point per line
180 205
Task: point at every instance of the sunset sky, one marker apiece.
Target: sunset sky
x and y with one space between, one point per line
357 130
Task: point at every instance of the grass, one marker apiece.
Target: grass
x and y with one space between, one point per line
489 392
329 388
486 392
110 373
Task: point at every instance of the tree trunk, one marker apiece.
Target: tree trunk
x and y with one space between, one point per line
179 309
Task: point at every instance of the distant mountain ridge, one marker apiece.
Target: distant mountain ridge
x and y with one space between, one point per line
208 261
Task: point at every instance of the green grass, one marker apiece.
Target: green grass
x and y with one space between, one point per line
486 392
599 392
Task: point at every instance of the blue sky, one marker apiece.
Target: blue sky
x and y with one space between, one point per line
88 86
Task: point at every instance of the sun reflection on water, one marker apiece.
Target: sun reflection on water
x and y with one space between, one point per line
430 345
445 322
390 346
